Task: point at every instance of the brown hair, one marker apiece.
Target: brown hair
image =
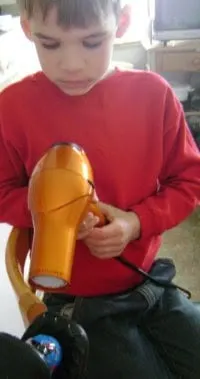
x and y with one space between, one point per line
78 13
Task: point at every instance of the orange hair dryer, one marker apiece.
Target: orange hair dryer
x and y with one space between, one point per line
61 193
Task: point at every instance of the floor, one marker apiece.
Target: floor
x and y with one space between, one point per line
182 244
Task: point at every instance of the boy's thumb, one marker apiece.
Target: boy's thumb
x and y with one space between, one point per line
106 210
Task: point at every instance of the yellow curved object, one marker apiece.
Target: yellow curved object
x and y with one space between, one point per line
17 249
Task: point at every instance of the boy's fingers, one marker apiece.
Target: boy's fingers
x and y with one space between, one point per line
107 210
82 235
89 222
105 232
103 244
87 226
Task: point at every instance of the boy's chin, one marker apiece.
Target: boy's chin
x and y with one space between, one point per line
76 91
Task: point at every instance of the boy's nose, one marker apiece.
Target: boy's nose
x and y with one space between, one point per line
72 61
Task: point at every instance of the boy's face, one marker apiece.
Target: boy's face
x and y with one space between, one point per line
74 59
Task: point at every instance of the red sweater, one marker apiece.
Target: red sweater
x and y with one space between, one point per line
144 159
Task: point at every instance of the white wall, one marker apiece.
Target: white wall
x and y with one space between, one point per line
10 318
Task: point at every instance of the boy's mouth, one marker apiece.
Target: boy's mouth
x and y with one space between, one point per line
73 84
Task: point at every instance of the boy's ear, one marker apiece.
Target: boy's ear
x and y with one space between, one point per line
25 24
124 21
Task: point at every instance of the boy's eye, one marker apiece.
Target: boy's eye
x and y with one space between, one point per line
92 45
51 46
88 45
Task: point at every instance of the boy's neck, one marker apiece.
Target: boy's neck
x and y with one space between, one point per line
111 70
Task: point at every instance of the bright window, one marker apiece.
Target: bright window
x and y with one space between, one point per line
140 19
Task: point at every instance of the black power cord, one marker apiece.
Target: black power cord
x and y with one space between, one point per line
160 282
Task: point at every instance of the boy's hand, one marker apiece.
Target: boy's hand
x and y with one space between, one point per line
110 240
87 226
89 222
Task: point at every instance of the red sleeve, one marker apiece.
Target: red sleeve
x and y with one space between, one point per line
13 187
179 179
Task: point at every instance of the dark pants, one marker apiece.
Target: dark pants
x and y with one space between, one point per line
149 332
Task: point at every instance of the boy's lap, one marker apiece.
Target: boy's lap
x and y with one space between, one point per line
121 350
165 343
173 326
161 342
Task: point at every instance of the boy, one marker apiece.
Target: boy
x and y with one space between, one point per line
147 173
